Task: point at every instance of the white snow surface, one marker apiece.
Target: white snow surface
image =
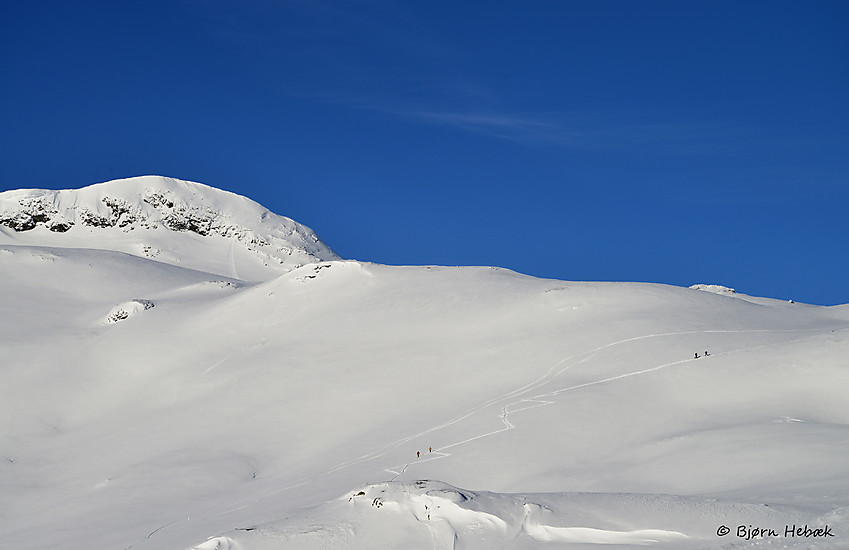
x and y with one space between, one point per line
343 404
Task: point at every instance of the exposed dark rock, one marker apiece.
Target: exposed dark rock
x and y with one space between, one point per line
19 222
123 214
91 219
33 212
59 227
158 200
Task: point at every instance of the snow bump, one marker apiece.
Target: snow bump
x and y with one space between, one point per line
128 309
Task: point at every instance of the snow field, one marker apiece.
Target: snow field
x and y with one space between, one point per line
248 408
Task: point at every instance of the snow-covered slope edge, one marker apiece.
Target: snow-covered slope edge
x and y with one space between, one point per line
432 514
173 221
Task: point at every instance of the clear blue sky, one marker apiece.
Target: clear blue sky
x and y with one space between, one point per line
677 142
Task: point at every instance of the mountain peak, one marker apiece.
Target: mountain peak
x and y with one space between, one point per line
170 220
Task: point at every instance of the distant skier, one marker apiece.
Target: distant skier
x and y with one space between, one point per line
697 355
706 354
418 454
430 449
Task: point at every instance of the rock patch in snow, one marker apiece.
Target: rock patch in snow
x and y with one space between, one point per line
128 309
716 289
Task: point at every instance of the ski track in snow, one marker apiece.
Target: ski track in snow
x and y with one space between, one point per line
555 371
538 400
151 534
523 404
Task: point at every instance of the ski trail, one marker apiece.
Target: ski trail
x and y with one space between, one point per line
217 363
539 403
507 426
399 472
556 369
503 417
652 369
151 534
430 456
554 372
528 403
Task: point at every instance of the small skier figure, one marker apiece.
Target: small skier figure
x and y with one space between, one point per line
697 355
706 354
418 454
430 449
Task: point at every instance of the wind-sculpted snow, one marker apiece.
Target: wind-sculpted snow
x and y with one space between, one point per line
142 215
431 514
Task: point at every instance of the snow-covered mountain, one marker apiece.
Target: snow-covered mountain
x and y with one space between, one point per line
176 405
172 221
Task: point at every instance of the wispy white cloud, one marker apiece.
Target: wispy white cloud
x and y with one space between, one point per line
380 58
575 130
507 126
474 109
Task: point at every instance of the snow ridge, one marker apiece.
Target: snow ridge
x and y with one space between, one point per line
716 289
433 514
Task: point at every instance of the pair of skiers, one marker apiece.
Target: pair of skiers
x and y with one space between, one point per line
697 355
419 454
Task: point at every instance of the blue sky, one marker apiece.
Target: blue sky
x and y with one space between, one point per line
673 142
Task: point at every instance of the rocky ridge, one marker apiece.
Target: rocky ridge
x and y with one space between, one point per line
147 205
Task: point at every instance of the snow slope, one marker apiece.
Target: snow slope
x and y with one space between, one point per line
300 410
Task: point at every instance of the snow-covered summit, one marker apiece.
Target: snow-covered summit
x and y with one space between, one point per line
169 220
